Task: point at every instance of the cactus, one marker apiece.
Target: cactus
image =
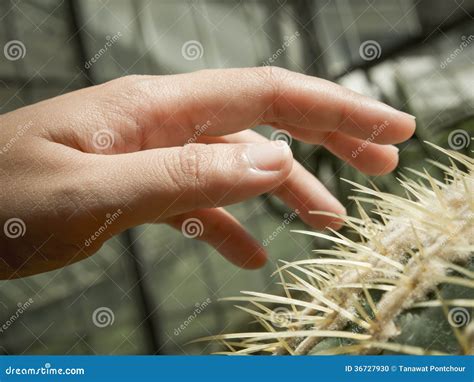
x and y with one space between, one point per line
369 295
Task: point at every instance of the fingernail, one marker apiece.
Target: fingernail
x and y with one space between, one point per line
408 115
268 156
387 108
395 148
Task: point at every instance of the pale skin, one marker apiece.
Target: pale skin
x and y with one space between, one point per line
62 185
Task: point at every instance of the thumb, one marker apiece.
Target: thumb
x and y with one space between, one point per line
159 183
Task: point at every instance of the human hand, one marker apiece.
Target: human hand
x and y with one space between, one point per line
116 151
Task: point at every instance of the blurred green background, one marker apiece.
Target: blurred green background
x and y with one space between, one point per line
148 290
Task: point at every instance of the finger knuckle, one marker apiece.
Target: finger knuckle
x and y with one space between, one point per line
348 108
271 79
126 102
193 164
132 90
130 82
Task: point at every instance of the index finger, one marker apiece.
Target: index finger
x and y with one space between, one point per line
226 101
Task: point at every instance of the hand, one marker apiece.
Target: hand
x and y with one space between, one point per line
79 168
